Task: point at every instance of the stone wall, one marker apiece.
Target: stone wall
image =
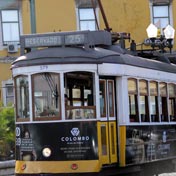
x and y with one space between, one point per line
7 168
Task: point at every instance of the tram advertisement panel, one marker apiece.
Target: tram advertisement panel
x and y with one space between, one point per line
57 141
149 143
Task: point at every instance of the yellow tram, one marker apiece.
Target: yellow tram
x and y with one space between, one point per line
83 104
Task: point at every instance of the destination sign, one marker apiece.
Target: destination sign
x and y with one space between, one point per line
40 41
43 41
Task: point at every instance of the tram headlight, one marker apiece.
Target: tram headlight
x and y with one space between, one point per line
46 152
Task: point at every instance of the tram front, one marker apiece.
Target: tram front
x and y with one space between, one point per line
57 105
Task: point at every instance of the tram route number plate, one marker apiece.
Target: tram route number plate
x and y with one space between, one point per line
74 39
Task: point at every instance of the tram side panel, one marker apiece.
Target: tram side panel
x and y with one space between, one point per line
143 144
150 143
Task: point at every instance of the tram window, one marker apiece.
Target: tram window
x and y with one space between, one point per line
163 102
79 90
111 97
46 96
102 98
22 97
133 102
172 102
143 100
154 109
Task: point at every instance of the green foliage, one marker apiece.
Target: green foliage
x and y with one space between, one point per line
7 131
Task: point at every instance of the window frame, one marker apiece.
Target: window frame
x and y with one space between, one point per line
9 96
144 94
168 3
112 93
161 95
133 117
86 20
10 22
86 109
104 114
163 100
161 17
172 99
7 92
7 99
154 117
46 118
21 119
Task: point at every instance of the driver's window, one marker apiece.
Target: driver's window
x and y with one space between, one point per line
79 95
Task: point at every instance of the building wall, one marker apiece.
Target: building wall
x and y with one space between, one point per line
5 71
5 74
132 16
55 15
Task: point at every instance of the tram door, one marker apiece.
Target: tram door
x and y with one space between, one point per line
107 125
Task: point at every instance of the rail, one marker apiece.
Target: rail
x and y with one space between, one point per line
7 168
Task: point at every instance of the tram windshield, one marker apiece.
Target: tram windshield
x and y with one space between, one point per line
46 95
79 92
79 95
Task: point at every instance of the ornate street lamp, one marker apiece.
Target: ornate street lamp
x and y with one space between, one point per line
169 33
162 41
152 33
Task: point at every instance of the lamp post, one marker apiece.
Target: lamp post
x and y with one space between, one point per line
152 33
169 33
162 41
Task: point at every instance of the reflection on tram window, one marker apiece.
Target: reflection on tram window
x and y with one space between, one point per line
143 101
111 98
163 102
102 98
46 95
157 101
172 102
107 98
133 102
79 87
22 97
154 109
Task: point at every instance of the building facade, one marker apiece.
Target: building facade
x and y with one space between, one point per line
20 17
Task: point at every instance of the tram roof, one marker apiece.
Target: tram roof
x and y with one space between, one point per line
79 55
